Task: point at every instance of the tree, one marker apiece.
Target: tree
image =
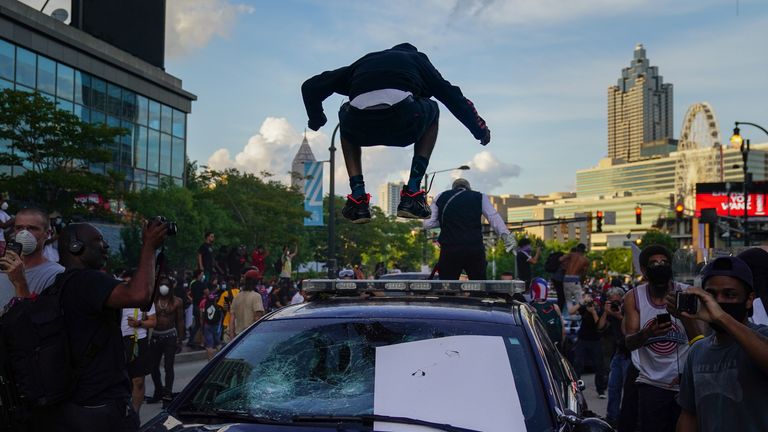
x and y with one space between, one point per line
618 260
657 237
53 151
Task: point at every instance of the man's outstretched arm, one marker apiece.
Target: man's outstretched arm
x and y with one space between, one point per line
317 89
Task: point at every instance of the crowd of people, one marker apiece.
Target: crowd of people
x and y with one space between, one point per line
663 368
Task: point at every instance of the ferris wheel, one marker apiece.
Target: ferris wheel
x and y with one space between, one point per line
700 153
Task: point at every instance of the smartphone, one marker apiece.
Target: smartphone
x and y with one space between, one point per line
14 246
663 318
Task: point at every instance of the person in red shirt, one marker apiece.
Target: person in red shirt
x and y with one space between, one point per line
258 256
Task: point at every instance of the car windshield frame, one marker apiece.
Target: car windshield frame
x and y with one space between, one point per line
287 368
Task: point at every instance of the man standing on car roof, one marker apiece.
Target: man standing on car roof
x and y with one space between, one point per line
457 213
390 104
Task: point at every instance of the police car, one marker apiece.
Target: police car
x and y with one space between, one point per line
388 355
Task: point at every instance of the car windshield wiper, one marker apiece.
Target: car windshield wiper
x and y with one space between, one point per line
242 416
378 418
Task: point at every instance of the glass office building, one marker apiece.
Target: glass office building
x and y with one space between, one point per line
99 84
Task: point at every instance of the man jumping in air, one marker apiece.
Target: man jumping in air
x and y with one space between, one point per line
389 105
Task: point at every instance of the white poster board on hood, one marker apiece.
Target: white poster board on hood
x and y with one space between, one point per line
464 381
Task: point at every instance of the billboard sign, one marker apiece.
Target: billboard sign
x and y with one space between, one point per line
313 193
728 199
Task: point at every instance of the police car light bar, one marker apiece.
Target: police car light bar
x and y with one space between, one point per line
418 286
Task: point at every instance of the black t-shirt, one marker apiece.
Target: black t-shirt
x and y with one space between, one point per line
614 329
91 324
206 252
523 266
197 288
588 328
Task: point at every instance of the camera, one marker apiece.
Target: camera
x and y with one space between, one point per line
14 246
615 306
172 227
687 302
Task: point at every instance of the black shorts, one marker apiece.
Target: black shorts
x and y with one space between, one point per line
400 125
140 365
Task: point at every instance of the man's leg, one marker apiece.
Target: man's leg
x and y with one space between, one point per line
658 409
476 265
421 154
137 392
157 352
615 384
628 412
169 353
357 209
448 265
596 356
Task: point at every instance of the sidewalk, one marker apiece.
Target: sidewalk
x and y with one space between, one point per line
188 355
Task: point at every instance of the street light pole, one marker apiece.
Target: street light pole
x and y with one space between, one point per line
743 144
331 263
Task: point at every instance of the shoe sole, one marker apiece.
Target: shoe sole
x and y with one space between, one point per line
409 215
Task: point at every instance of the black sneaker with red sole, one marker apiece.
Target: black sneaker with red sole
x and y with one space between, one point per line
413 205
358 210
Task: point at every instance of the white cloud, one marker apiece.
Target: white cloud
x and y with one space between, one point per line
191 24
487 172
272 150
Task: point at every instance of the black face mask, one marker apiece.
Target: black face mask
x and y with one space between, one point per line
737 310
659 274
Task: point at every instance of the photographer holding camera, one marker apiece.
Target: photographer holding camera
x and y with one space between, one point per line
589 346
92 303
26 270
723 385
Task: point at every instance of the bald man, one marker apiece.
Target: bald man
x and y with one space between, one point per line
92 302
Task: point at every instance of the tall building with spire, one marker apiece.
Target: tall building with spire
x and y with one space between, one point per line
640 112
297 167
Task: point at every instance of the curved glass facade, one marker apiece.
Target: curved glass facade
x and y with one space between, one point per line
154 150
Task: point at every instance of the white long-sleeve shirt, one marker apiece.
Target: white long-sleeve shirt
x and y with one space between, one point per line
489 211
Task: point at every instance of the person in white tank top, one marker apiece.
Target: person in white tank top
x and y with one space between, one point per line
657 340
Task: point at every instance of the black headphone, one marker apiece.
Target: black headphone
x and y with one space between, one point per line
76 246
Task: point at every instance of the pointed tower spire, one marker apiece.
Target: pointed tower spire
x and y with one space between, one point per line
297 167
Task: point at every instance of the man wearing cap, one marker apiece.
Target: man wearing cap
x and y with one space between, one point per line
457 213
657 341
723 386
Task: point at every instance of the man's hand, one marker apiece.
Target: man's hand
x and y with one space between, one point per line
154 234
509 241
658 329
486 138
709 311
317 123
13 266
132 322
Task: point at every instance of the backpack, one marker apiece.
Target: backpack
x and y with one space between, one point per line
553 262
36 351
212 311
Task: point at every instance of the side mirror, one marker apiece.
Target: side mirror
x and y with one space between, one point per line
580 384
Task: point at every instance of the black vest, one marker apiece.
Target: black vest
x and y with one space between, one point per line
460 221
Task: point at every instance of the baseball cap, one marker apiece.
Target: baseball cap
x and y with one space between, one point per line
757 260
728 266
655 249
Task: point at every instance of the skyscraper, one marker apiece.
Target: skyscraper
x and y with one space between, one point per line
389 197
640 112
297 167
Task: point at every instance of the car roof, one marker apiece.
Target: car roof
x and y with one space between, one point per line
411 307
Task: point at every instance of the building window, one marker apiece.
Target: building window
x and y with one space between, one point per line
65 82
98 92
178 158
179 123
83 113
65 105
130 107
46 75
5 84
154 115
140 148
126 144
143 109
165 154
82 88
7 60
153 151
114 100
166 115
26 68
97 117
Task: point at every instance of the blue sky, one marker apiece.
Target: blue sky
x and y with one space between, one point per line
537 71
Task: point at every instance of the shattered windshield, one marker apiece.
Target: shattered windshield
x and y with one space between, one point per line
321 367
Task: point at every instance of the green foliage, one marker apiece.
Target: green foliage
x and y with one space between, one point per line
657 237
54 149
618 260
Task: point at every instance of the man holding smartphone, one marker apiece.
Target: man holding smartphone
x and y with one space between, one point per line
657 341
29 267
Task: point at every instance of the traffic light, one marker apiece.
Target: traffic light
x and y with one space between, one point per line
679 209
638 215
599 221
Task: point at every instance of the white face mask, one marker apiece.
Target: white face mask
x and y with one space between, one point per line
4 206
164 290
28 242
